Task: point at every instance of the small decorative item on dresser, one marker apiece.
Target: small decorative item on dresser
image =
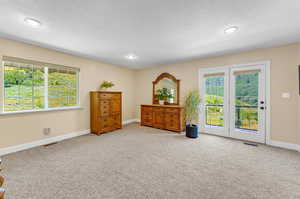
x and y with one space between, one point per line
105 85
192 103
163 94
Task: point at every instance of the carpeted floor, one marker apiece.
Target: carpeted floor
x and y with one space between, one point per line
145 163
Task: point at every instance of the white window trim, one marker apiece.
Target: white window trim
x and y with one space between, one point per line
1 87
42 110
46 109
46 88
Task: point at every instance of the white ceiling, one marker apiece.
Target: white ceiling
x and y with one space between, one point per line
157 31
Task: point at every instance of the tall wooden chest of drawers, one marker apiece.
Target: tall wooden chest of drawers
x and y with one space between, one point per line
167 117
106 111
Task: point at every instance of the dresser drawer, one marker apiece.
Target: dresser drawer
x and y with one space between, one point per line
116 121
172 110
172 116
109 96
104 102
147 121
147 114
115 106
116 96
106 123
158 119
105 108
146 109
158 109
172 125
172 121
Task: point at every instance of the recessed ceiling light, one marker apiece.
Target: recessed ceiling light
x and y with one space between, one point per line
32 22
131 56
231 29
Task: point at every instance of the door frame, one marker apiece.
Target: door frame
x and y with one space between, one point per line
216 130
267 64
260 135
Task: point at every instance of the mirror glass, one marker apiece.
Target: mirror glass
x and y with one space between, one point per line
170 86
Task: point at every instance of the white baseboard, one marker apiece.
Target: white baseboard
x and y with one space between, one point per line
21 147
284 145
130 121
13 149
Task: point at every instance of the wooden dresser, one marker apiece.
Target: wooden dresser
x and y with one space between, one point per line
169 117
106 111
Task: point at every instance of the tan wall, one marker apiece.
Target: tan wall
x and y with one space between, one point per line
284 78
23 128
137 89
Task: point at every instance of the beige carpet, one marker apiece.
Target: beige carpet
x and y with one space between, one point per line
145 163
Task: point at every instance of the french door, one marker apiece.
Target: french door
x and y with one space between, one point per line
234 101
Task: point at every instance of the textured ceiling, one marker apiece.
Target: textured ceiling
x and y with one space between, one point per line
157 31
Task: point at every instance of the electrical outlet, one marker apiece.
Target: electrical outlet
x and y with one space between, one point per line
286 95
46 131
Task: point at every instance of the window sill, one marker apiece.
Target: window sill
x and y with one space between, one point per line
42 110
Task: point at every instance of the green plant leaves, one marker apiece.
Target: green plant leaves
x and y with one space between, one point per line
192 103
106 84
164 94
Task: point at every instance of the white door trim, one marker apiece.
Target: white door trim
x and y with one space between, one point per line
267 64
254 136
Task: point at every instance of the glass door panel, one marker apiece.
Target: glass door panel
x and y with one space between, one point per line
214 101
213 107
247 103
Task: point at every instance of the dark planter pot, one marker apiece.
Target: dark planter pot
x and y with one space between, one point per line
191 131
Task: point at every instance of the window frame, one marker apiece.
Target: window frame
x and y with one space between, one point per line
46 98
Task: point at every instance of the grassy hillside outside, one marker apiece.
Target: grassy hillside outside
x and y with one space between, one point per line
24 88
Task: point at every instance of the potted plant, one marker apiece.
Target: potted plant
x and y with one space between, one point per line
191 106
105 85
163 94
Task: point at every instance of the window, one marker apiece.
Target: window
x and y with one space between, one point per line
34 86
62 88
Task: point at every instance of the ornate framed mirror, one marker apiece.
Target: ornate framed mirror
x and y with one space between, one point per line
169 84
